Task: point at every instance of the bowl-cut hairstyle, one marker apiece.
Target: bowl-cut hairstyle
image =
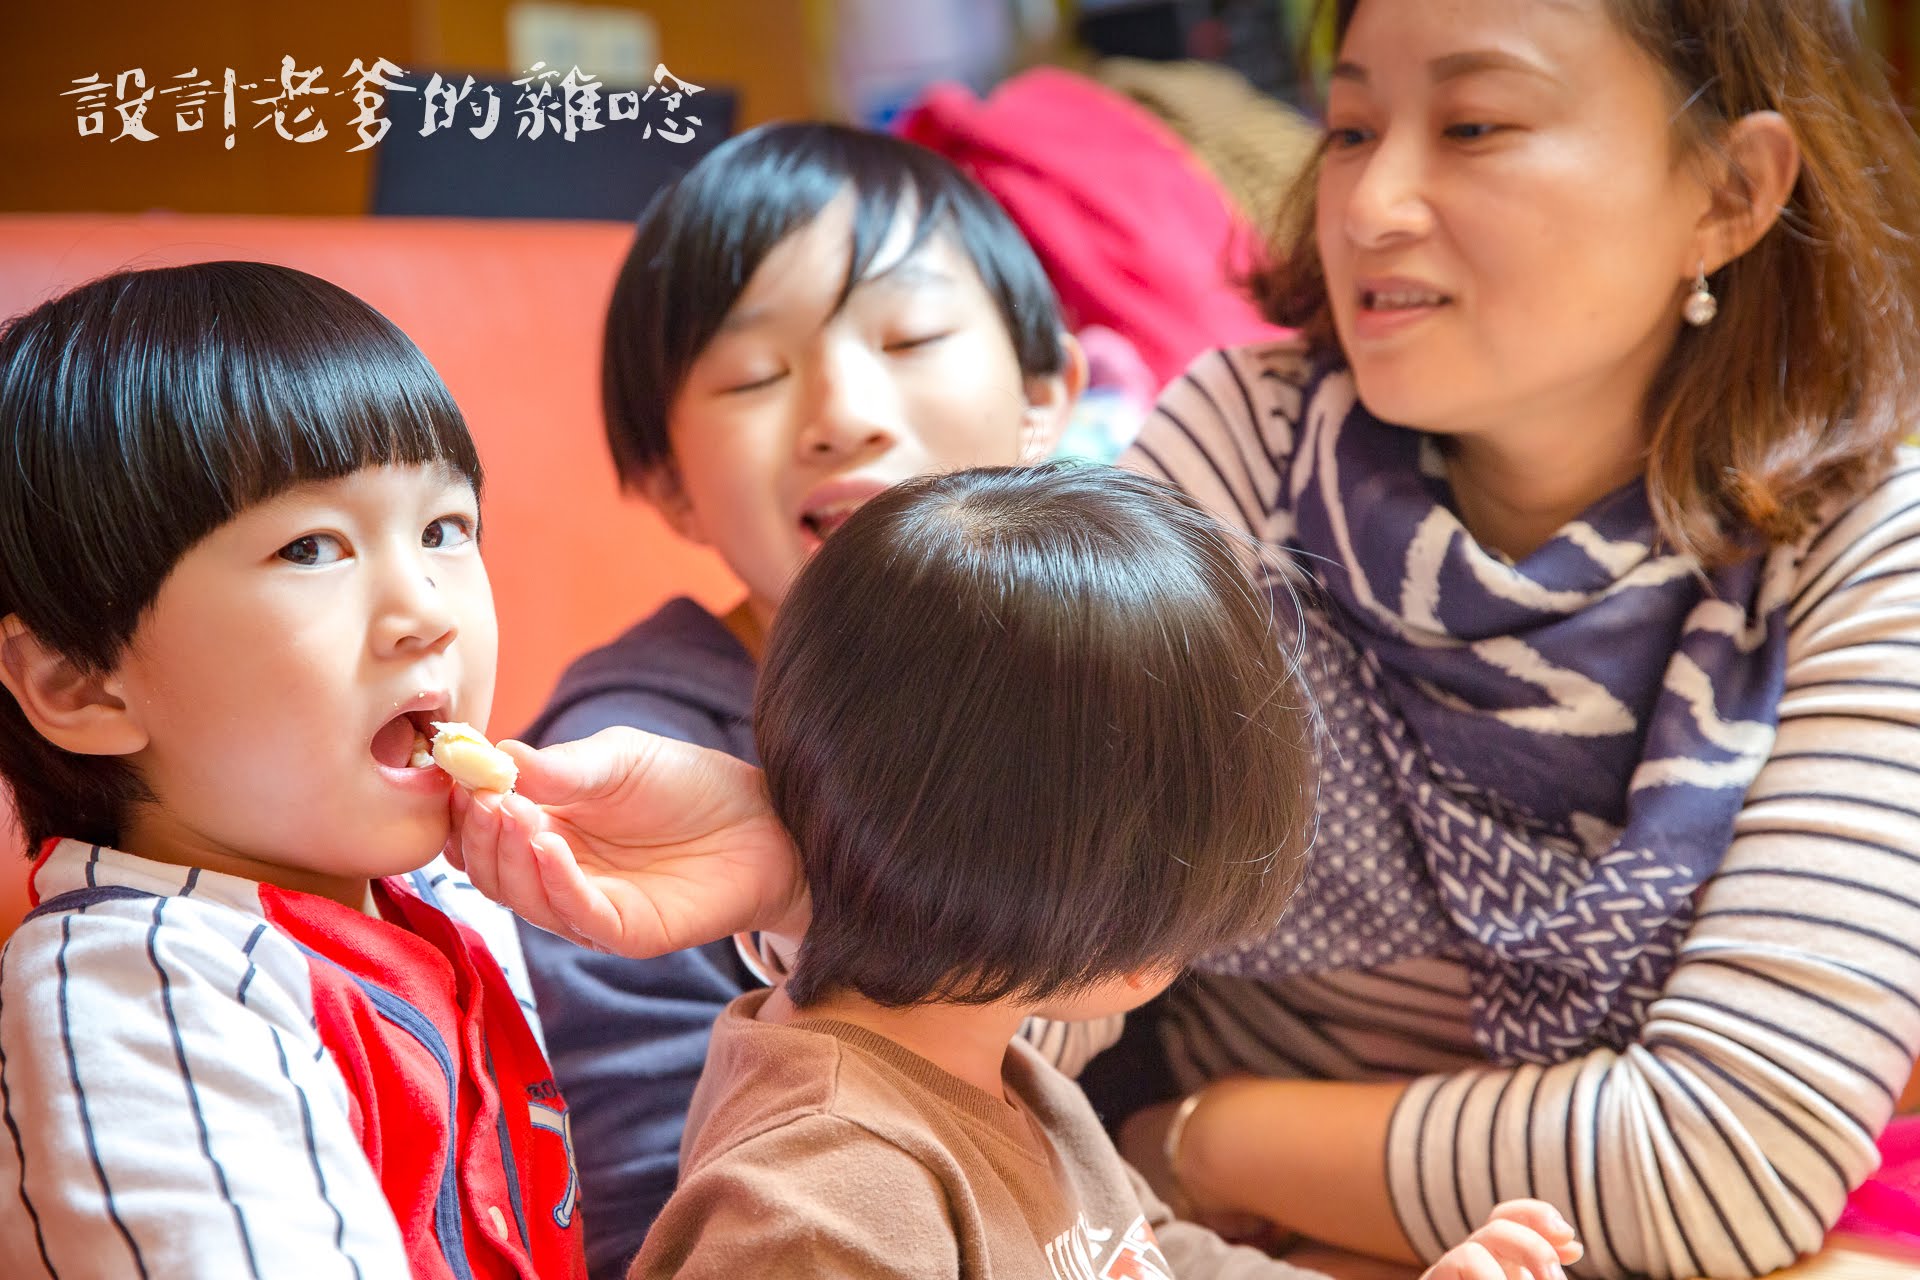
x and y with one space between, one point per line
143 411
1033 728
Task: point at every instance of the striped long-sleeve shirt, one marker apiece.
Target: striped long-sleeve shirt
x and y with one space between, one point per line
1725 1139
202 1075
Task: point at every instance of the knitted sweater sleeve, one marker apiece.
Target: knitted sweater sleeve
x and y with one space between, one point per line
1725 1140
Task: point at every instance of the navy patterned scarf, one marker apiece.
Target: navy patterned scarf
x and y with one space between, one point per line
1529 768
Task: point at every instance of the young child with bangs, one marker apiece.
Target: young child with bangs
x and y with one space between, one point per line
808 316
1038 746
250 1026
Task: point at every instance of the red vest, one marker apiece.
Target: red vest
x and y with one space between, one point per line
450 1093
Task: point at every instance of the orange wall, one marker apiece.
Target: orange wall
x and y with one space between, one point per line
757 46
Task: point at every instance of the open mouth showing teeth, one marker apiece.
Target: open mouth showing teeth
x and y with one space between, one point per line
824 522
1400 300
406 741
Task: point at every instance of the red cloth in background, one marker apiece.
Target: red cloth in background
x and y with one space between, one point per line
1132 229
1886 1207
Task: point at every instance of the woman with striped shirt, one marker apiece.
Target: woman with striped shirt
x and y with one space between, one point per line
1589 446
1618 856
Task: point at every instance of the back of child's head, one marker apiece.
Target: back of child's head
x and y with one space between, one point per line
701 240
1031 729
145 410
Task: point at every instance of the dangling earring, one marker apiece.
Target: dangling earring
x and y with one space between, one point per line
1700 308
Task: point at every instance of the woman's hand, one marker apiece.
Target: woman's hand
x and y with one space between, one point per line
632 843
1522 1240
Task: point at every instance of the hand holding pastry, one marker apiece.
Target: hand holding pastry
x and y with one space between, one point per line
632 843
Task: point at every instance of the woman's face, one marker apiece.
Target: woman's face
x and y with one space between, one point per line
1506 224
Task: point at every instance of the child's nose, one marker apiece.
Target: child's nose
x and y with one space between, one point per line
414 613
854 407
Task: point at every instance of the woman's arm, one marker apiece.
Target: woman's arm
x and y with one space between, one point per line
1726 1139
1223 432
1319 1166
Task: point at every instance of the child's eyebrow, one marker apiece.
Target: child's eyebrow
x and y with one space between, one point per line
909 275
746 318
911 272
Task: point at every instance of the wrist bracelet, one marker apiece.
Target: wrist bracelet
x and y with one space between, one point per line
1273 1239
1170 1146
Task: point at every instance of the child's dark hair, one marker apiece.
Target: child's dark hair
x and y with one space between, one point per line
143 411
701 240
1031 728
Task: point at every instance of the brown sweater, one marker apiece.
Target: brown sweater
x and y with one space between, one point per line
817 1148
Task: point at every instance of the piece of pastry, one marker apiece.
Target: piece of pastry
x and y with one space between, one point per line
473 762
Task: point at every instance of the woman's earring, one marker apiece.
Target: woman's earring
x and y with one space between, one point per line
1700 308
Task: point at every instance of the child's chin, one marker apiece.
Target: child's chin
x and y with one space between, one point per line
408 847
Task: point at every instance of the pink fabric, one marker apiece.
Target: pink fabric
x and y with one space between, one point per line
1887 1205
1132 229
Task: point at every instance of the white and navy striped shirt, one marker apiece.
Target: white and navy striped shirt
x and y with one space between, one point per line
1725 1140
186 1090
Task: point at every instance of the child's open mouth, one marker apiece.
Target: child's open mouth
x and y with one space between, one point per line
832 503
822 523
406 741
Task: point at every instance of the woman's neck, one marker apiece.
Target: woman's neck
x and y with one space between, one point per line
1514 494
967 1041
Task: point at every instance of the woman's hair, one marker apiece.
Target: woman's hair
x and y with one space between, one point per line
142 412
1031 728
1796 394
702 239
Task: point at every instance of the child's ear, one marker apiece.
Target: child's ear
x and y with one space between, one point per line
1050 401
75 710
661 487
1148 983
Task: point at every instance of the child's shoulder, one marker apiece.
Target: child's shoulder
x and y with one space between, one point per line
760 1076
117 940
110 926
763 1077
783 1160
90 895
679 671
158 1030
